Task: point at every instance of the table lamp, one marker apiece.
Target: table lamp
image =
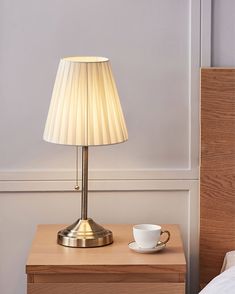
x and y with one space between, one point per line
85 111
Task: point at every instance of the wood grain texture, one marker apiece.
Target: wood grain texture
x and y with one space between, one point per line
47 256
217 179
104 288
108 278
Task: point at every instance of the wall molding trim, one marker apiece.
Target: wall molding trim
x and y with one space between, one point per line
206 30
102 180
194 81
57 181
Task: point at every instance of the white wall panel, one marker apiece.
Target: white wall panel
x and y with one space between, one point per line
148 43
20 213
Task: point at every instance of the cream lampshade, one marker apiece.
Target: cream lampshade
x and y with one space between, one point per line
85 111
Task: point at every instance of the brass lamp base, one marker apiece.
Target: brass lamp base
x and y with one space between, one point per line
84 233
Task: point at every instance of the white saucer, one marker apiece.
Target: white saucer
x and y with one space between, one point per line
133 246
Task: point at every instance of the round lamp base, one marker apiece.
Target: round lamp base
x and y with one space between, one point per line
84 233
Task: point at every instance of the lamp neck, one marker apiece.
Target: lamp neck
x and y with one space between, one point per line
84 198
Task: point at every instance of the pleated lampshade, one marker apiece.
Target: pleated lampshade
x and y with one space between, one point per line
85 108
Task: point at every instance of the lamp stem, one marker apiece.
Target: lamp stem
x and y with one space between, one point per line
84 199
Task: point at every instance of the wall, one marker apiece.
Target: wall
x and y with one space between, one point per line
154 47
223 33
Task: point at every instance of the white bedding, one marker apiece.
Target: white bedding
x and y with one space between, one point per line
222 284
229 261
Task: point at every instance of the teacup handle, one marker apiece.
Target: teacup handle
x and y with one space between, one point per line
168 236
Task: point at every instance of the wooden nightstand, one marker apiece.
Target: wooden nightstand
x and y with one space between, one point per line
54 269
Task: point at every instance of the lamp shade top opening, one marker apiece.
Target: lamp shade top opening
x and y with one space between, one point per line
86 59
85 109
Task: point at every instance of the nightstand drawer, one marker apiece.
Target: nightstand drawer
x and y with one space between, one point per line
106 288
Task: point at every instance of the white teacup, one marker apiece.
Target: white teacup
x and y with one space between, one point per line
147 235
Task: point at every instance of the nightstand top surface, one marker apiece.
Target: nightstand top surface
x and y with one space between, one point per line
49 257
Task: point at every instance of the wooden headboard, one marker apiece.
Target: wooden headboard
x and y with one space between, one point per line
217 178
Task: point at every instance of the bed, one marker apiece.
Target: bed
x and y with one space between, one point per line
217 178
